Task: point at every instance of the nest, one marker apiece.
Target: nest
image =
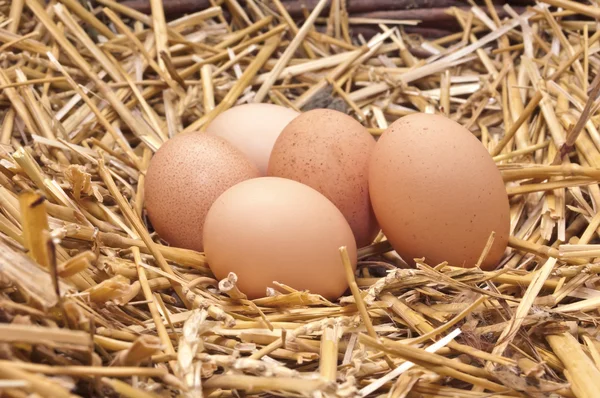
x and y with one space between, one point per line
93 303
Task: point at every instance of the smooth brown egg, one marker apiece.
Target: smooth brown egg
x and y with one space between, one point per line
437 192
185 176
253 129
329 151
273 229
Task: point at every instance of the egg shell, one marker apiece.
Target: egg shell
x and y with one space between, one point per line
329 151
437 192
184 178
274 229
253 129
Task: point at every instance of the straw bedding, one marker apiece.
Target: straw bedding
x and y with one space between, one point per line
94 304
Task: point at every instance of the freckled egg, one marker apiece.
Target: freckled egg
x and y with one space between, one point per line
253 129
274 229
184 178
329 151
437 192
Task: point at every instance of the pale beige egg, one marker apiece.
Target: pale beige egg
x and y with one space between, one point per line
253 129
272 229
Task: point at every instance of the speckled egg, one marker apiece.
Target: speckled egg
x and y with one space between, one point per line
185 176
437 192
329 151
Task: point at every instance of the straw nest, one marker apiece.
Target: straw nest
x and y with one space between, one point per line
94 304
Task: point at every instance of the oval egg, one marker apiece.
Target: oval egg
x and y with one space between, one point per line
437 192
273 229
184 178
329 151
253 129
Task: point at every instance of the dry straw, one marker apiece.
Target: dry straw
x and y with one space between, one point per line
93 303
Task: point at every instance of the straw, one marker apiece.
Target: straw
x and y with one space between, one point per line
95 303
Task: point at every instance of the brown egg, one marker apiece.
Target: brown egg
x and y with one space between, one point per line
185 176
253 129
437 192
329 151
273 229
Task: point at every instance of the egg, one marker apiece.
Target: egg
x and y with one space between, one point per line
329 151
253 129
185 176
274 229
437 192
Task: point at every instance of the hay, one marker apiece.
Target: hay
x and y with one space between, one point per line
94 304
